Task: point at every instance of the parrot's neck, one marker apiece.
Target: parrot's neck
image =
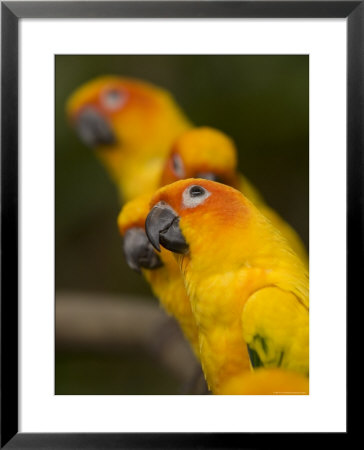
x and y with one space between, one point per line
234 242
136 165
240 263
138 177
168 286
281 268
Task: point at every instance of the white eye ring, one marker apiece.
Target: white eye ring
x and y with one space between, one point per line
178 166
194 195
113 99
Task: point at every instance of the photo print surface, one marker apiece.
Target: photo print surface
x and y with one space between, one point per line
182 224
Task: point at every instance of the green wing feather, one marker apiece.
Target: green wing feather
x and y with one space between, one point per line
275 328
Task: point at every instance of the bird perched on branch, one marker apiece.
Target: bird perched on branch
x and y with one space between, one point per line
210 154
248 289
131 125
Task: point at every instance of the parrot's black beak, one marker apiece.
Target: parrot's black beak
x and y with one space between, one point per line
139 252
208 176
162 227
93 129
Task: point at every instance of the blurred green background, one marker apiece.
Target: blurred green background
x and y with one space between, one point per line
262 102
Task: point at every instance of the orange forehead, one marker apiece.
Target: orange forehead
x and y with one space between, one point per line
222 197
90 94
206 148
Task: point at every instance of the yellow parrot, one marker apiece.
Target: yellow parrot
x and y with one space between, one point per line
248 289
162 273
160 270
210 154
131 125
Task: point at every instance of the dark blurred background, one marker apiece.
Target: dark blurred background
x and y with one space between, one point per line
262 102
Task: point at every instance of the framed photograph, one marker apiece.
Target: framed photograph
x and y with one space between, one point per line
177 179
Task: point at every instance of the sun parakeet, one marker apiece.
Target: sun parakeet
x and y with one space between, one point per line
248 289
210 154
131 125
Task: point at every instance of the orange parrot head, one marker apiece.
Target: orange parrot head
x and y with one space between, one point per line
202 153
113 112
200 218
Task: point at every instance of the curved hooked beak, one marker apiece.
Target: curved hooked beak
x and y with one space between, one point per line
208 176
93 129
162 227
139 252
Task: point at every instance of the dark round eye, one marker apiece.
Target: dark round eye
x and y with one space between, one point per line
196 191
194 196
177 165
114 99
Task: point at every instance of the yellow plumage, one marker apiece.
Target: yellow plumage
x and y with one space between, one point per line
267 382
248 289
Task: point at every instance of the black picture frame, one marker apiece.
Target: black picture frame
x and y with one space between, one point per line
11 13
